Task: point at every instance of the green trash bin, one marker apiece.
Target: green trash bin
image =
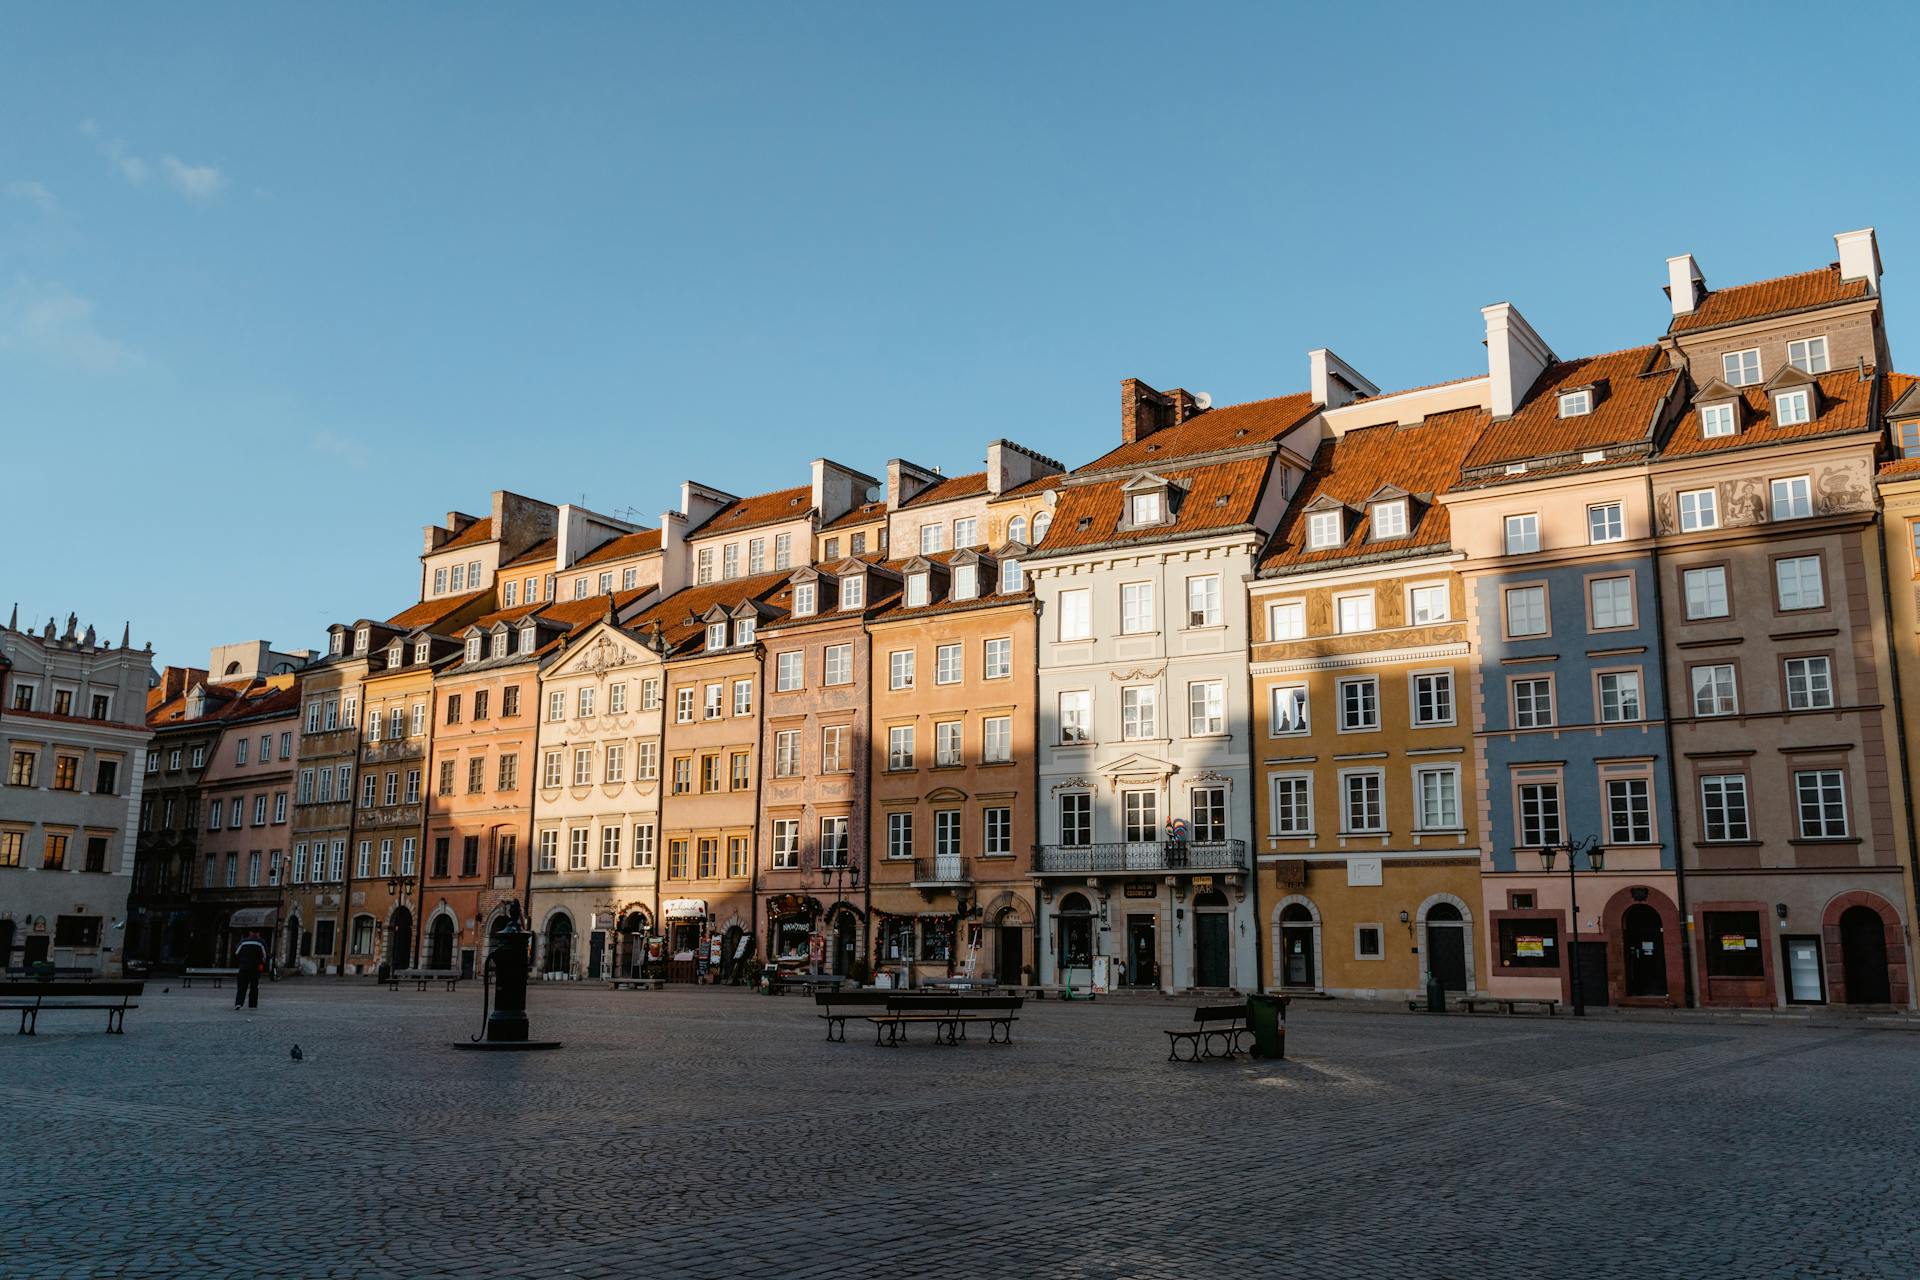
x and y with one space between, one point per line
1267 1019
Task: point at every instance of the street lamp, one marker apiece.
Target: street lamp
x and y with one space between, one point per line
1596 861
399 889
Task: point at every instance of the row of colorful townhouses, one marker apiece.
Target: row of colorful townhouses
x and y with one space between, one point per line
1588 671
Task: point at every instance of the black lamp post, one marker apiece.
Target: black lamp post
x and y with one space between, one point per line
1596 861
400 888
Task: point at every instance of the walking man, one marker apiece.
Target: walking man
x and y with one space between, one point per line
250 957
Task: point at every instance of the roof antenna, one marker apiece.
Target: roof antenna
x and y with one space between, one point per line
1863 368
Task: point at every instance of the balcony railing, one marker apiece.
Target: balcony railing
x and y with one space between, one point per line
1175 856
944 868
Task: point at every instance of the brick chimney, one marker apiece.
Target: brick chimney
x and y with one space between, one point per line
1144 411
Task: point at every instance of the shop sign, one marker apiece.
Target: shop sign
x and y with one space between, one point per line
604 920
681 908
1140 889
1525 945
1202 883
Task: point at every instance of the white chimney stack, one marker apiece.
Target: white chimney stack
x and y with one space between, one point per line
1859 257
1333 381
1685 284
1516 355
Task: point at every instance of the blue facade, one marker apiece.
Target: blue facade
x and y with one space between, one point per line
1580 745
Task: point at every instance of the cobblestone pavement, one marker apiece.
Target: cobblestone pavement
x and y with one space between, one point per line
715 1133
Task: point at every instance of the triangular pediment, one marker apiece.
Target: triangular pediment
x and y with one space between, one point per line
1715 390
1139 765
1146 480
1012 550
806 573
1327 502
716 613
1788 377
601 646
1908 405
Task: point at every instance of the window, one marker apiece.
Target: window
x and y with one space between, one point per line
833 749
509 775
783 551
1206 708
1809 684
996 832
1365 809
1136 607
717 635
557 705
1140 814
646 762
789 673
1576 404
1292 795
786 753
215 812
743 630
1820 801
1713 692
1741 368
643 844
853 591
1619 696
805 598
367 786
703 561
709 774
786 844
1907 438
1606 523
730 561
582 766
716 702
900 669
676 859
1610 601
966 532
1076 614
1139 712
1809 355
900 747
610 847
616 770
707 859
1010 577
1076 819
1797 584
1533 702
1540 814
833 842
837 667
550 775
743 697
1792 499
1076 716
1717 420
280 800
1706 592
1389 519
830 550
1732 941
996 733
1427 604
1288 710
1523 534
587 699
1203 601
1529 943
1792 408
682 775
947 664
966 581
1287 621
757 555
1359 704
932 539
1323 530
917 590
1433 697
66 777
899 835
1629 811
1438 793
1145 508
1698 510
1723 806
1355 612
1526 611
1208 806
997 660
683 704
576 850
649 694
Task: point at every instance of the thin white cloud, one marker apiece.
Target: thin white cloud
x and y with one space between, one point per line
51 323
194 181
34 193
89 128
131 167
352 452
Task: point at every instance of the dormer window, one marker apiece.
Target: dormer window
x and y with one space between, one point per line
473 648
421 649
1576 404
743 630
528 637
1390 519
1323 530
499 645
337 643
1791 408
1808 355
716 635
1146 508
966 581
1011 577
1906 437
1717 420
394 652
853 591
804 596
1741 368
361 639
1041 523
916 590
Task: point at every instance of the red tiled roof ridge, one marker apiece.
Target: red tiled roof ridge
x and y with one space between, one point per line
480 530
1798 293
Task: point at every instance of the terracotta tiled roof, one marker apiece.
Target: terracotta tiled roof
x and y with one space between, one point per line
1220 495
229 700
429 612
1844 403
1900 468
679 614
1774 297
539 551
1038 485
1623 412
949 489
766 508
1898 385
865 513
1229 427
480 530
486 621
578 613
1423 459
627 544
895 607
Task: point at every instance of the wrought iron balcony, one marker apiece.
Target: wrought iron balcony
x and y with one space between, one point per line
1175 857
941 870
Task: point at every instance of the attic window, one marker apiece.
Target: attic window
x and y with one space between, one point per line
853 591
528 636
473 648
393 654
1809 355
1240 434
1907 436
966 581
499 646
716 635
1516 468
1717 420
743 630
1220 501
360 639
916 590
1792 408
338 642
1146 508
803 599
1576 404
793 502
1323 530
420 651
1390 519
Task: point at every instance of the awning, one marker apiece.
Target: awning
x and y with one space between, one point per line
682 908
254 918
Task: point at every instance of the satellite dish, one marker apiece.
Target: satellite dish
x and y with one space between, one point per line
1202 401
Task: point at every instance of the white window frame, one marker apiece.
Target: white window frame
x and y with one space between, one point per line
1740 368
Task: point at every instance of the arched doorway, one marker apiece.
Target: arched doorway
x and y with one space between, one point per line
440 942
559 957
1447 946
632 954
1009 948
1299 946
1863 956
400 939
1643 935
1212 940
846 941
1074 938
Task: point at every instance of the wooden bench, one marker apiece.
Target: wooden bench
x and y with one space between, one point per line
1508 1005
421 977
781 983
34 998
949 1015
828 1001
635 984
1221 1024
208 975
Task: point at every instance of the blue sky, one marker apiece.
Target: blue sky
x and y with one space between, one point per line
279 285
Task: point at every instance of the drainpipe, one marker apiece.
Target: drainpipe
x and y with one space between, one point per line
1673 773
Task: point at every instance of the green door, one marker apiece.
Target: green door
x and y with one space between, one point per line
1210 950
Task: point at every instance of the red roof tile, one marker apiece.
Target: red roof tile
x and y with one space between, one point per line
429 612
865 513
1040 484
627 544
1844 401
539 551
1229 427
679 614
1743 302
949 489
1623 412
765 508
480 530
1220 495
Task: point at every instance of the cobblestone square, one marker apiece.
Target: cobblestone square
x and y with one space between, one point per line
704 1132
